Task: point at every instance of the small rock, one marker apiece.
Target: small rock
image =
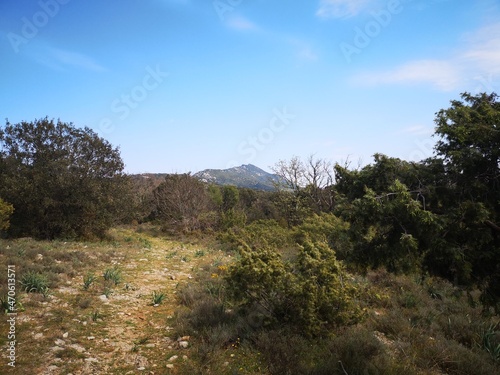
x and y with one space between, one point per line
173 358
84 323
170 366
185 357
91 338
39 257
94 360
38 336
78 348
172 277
52 368
150 345
65 335
142 368
103 297
183 344
59 342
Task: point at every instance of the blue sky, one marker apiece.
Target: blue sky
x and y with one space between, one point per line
184 85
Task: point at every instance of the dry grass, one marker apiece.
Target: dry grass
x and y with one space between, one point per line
414 326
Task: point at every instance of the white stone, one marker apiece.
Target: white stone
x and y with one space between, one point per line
173 358
65 335
183 344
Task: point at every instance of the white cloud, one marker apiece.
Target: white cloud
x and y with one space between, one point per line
441 74
241 23
418 130
306 53
59 59
75 59
484 50
342 8
475 63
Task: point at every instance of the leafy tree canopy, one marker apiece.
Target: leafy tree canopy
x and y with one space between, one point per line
63 181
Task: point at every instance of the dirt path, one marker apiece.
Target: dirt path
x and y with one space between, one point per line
77 331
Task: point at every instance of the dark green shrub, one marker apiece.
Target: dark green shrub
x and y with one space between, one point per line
312 294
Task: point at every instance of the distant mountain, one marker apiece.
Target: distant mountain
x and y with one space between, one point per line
247 175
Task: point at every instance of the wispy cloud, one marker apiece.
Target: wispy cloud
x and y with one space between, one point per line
241 24
307 54
418 130
304 50
75 59
60 59
476 62
484 50
343 8
441 74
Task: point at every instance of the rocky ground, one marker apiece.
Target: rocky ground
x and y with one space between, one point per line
108 328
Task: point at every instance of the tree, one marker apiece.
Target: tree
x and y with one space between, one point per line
63 181
181 200
6 211
469 148
304 187
469 144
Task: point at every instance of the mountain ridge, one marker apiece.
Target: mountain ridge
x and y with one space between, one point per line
245 175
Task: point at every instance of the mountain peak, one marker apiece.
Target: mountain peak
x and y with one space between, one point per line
246 175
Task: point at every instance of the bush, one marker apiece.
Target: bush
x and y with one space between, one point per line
6 211
313 294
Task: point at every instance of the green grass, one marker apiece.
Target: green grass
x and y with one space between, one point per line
88 280
113 275
157 297
34 282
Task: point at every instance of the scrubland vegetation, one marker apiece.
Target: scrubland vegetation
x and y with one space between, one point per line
392 268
